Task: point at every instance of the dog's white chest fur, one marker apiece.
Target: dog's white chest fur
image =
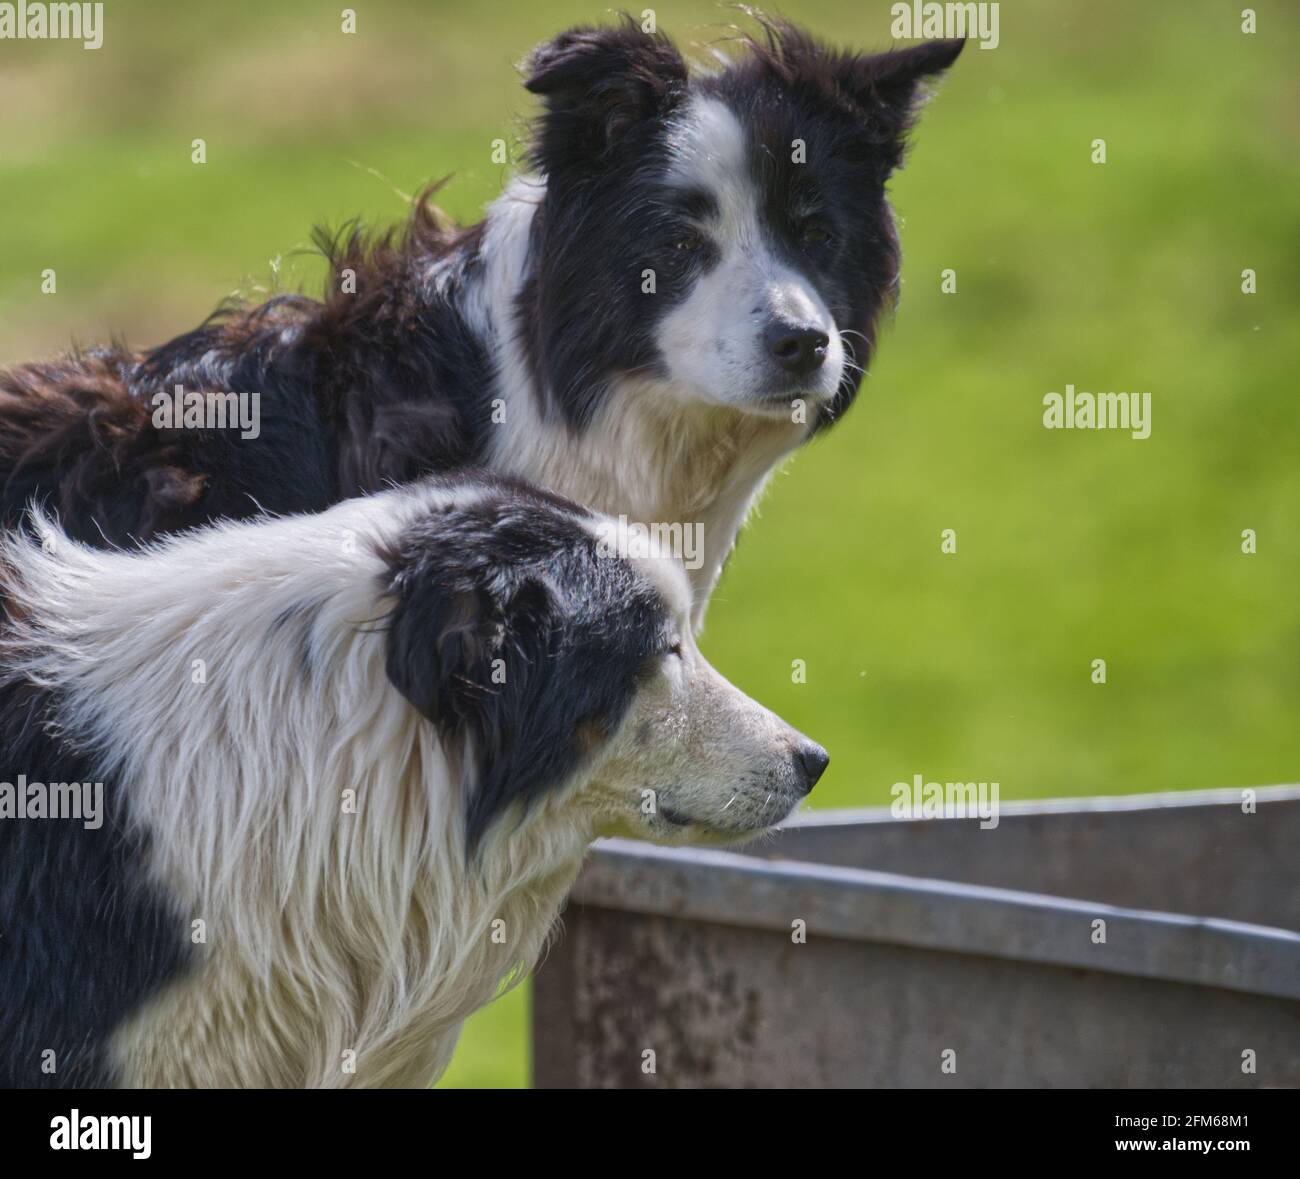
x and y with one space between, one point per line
659 462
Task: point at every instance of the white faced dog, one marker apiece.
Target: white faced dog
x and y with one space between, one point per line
334 754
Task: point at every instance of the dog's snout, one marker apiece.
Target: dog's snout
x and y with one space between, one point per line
810 762
797 348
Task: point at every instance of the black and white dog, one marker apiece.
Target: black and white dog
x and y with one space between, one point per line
683 289
291 798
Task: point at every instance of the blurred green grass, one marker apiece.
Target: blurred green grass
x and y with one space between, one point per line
1071 546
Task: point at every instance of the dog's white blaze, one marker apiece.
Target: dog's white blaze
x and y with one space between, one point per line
712 340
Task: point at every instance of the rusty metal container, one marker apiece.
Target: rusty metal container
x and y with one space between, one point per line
859 950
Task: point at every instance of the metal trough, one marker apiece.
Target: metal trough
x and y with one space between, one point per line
938 954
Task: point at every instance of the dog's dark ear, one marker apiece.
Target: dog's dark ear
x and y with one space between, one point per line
892 85
598 84
883 90
457 614
440 642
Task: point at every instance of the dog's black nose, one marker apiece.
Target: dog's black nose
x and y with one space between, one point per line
796 349
810 762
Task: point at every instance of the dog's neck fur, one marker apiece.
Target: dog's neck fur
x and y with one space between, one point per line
653 453
345 934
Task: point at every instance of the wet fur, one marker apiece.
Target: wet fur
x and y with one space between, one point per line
346 801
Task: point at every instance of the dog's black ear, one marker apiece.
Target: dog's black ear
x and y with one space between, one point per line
598 84
440 642
458 611
486 640
893 85
884 90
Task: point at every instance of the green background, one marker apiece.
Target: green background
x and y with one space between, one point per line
1072 545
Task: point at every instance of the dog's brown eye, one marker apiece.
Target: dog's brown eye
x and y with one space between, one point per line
689 244
676 649
815 235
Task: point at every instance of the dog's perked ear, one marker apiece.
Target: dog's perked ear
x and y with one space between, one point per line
518 642
598 84
892 85
885 90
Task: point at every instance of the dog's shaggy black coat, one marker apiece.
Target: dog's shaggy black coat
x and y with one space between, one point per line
357 392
